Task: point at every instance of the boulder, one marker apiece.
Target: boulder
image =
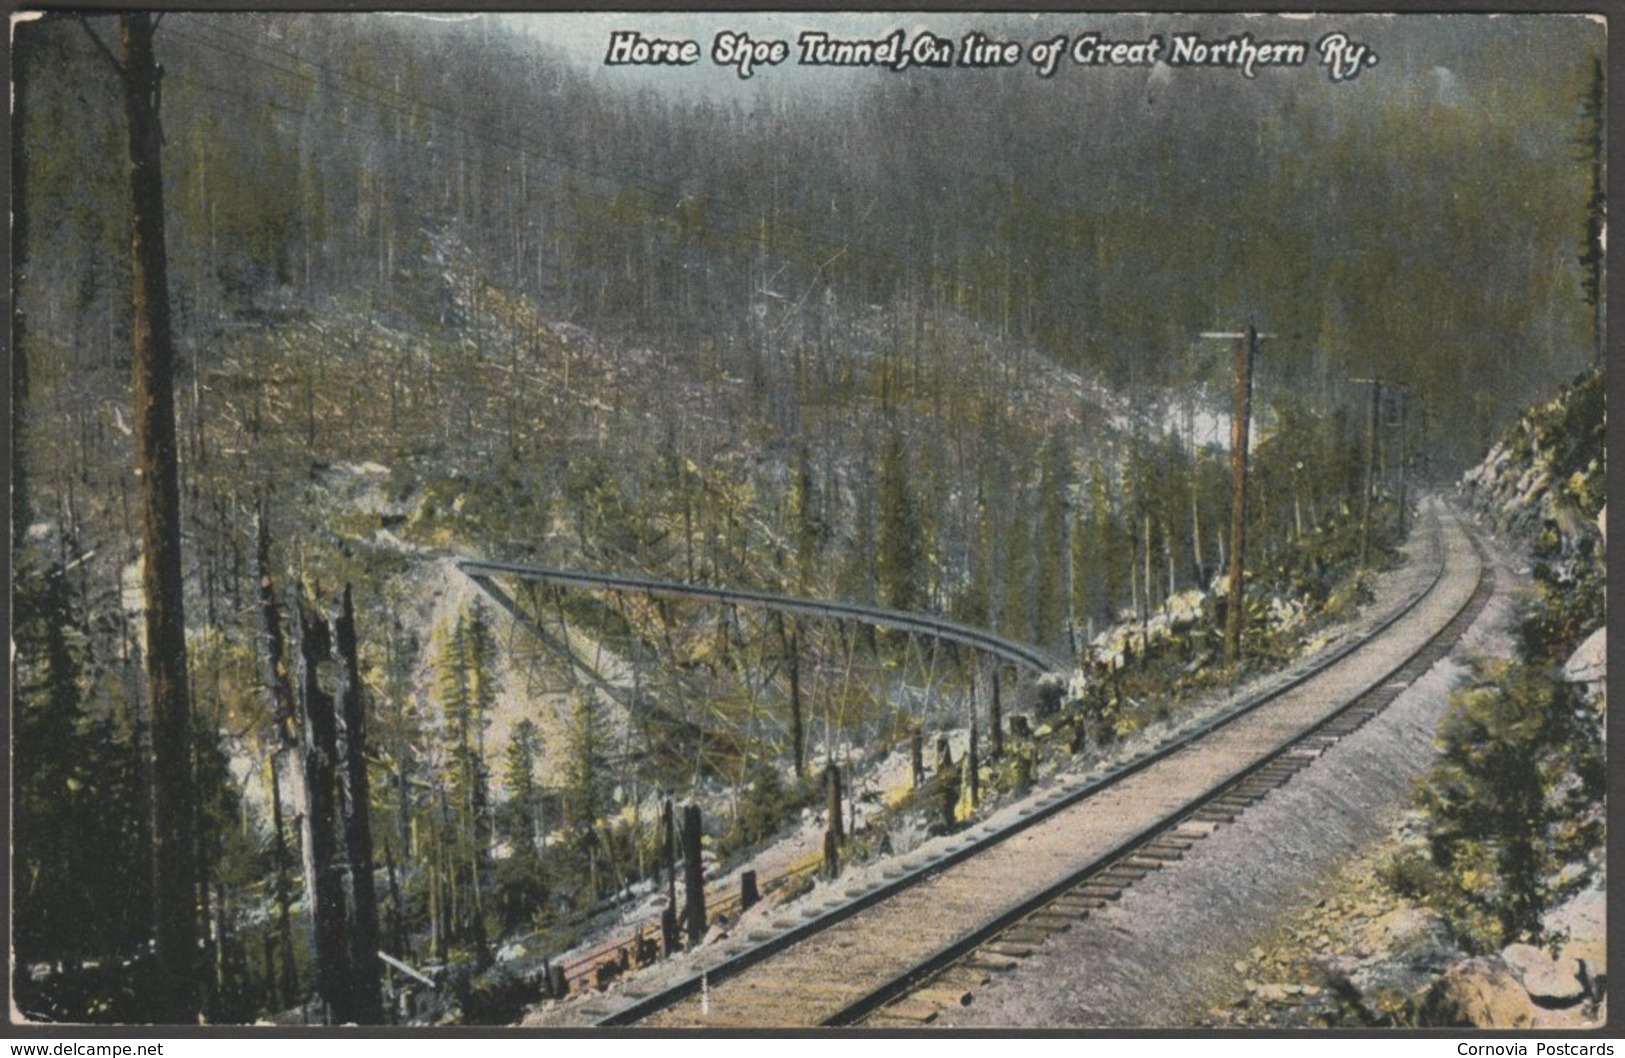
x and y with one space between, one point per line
1478 993
1551 980
1412 932
1589 663
1582 923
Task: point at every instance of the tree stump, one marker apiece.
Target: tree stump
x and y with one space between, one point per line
693 875
832 788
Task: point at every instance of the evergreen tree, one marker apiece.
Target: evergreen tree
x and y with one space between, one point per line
468 688
522 815
588 792
1517 793
48 871
520 879
900 561
80 810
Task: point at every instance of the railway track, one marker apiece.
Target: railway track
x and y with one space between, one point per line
895 952
1020 654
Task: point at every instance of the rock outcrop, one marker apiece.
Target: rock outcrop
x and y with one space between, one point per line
1479 993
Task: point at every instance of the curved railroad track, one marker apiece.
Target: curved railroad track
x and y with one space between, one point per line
895 952
1024 655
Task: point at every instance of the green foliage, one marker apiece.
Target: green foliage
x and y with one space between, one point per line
1382 1007
522 811
1515 797
1014 772
79 883
460 833
1563 613
900 564
468 689
50 750
1515 802
766 803
521 876
589 781
364 275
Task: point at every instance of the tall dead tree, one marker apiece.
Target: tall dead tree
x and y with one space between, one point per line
315 797
693 876
334 822
279 696
792 651
175 872
361 901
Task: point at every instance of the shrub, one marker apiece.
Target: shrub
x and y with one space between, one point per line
1515 796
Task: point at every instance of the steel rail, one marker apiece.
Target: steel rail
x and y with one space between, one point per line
1029 657
1048 806
1332 728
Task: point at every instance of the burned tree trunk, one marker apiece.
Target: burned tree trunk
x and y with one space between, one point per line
797 737
832 793
361 901
693 875
995 716
316 754
174 846
274 678
668 919
335 826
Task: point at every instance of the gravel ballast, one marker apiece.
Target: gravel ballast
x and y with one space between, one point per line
1166 952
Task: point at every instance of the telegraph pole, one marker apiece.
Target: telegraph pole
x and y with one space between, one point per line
1240 418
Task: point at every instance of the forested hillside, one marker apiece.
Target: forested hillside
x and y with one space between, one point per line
443 289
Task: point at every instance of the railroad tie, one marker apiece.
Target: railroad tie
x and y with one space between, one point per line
1071 904
985 960
1009 949
958 984
1025 934
909 1011
944 995
1101 892
964 976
